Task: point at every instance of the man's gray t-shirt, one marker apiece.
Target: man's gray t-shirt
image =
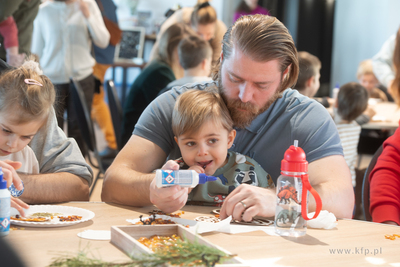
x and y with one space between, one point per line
291 117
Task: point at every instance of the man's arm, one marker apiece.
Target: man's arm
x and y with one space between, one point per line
54 188
331 178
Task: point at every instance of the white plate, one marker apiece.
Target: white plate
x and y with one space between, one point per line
55 222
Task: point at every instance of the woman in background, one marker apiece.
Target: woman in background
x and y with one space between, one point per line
202 19
249 7
385 177
162 70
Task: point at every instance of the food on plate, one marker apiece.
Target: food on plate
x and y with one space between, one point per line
46 217
69 218
29 219
159 212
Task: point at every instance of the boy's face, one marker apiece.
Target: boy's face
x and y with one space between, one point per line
369 81
206 148
14 137
315 84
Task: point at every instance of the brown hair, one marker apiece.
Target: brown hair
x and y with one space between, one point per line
203 14
169 40
262 38
195 107
352 101
192 50
29 101
309 66
395 87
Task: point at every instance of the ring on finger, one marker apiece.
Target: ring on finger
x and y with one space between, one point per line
244 204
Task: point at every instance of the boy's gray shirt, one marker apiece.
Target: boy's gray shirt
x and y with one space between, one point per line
57 153
291 117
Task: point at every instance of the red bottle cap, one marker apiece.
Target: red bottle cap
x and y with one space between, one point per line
294 159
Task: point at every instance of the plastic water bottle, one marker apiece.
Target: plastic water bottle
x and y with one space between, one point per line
335 91
292 194
5 203
184 178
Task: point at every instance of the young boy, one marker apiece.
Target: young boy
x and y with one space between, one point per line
351 102
308 80
203 131
195 58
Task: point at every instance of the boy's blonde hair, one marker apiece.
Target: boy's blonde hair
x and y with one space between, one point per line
196 107
29 101
364 68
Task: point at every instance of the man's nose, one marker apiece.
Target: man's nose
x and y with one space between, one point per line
245 92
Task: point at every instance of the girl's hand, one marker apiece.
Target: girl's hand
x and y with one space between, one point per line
19 205
170 165
84 8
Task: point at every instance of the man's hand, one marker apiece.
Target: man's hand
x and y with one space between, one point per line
247 201
84 9
168 199
13 58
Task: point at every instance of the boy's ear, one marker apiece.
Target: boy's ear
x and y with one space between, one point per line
231 138
310 81
176 139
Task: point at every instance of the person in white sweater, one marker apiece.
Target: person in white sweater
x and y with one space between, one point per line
62 38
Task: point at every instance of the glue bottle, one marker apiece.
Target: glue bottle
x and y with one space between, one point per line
292 189
5 203
184 178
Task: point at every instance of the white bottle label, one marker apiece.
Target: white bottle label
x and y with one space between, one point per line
175 177
4 215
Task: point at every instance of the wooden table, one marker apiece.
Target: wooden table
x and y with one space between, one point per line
387 117
352 243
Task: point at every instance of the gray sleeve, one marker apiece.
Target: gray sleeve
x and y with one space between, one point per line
382 62
362 119
155 122
57 153
316 132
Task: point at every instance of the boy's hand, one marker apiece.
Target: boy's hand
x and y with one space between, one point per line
197 168
170 165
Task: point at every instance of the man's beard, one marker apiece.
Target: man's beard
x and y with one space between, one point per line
242 119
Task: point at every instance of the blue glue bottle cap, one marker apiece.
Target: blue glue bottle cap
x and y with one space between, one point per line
204 178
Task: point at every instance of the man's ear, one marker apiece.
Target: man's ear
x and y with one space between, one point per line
286 71
231 138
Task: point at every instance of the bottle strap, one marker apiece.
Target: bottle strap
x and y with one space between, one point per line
307 187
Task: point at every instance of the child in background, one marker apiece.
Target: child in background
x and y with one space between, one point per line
203 131
367 78
309 74
352 101
26 98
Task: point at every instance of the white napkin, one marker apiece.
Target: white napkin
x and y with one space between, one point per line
95 234
325 220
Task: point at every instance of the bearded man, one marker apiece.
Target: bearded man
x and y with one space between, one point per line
257 66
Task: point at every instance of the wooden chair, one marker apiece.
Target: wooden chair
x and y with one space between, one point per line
115 110
87 130
365 185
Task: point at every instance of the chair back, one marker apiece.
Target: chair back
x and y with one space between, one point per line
115 110
365 185
85 124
